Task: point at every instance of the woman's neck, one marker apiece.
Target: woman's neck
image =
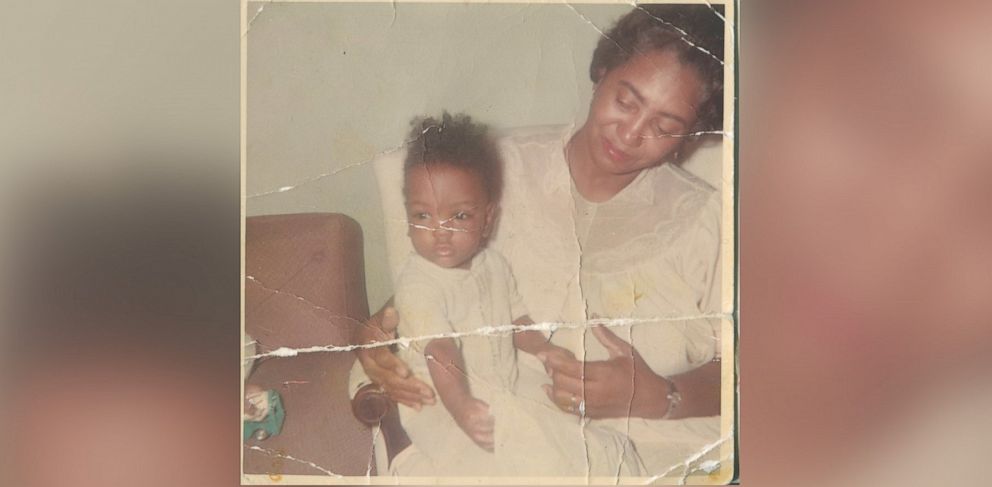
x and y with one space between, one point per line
592 183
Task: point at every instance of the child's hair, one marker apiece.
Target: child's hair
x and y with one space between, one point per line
458 142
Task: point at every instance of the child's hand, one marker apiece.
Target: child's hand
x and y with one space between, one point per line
553 351
474 419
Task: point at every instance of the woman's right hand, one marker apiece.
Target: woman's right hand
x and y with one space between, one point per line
385 368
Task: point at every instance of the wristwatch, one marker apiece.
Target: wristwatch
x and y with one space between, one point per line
674 399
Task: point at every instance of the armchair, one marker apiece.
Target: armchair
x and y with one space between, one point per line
305 286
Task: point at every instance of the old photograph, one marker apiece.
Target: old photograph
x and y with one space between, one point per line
489 243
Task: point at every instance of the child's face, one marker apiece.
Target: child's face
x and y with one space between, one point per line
449 213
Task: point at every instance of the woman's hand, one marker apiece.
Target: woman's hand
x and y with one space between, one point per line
472 416
553 353
622 386
384 367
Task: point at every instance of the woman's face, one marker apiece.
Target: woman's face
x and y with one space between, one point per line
639 112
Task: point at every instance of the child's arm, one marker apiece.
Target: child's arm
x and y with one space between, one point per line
534 342
447 369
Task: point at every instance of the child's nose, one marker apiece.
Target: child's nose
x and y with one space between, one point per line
442 233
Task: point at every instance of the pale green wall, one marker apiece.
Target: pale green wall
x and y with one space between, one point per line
331 85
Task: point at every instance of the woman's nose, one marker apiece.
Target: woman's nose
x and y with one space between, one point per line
629 132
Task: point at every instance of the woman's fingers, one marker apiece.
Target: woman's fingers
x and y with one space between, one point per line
406 398
410 395
566 401
384 367
380 326
390 361
568 384
390 320
389 371
381 365
409 389
563 364
616 346
394 376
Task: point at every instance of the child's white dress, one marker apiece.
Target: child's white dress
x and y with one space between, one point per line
532 438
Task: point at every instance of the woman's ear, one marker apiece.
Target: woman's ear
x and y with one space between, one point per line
600 74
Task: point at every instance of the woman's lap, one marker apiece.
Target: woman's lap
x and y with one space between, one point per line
662 445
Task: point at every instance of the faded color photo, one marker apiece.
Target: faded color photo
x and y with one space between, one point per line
489 242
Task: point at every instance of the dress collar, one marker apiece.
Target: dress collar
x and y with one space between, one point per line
558 179
642 188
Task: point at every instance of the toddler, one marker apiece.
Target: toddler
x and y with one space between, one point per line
453 284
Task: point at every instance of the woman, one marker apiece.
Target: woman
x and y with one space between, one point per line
596 224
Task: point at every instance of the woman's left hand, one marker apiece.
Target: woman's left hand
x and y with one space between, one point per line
621 386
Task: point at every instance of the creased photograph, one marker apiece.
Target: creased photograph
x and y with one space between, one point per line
488 243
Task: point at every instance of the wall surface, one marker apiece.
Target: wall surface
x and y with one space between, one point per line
332 85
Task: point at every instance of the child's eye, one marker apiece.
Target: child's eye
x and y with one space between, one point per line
420 216
461 215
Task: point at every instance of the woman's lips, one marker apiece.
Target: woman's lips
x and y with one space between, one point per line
616 155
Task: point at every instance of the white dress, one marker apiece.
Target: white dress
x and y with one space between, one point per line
649 253
531 439
652 252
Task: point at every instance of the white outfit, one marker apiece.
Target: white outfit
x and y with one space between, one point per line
651 252
530 438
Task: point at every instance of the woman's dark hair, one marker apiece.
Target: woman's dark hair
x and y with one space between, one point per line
458 142
694 32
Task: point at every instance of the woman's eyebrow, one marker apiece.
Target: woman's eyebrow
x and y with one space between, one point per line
637 94
640 98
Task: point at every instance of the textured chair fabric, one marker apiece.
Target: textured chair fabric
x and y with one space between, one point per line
305 286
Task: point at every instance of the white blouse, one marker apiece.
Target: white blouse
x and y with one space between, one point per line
649 253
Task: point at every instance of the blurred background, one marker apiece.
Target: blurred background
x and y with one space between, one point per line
865 241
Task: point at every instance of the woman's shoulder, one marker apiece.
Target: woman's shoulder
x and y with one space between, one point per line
676 177
676 194
533 162
540 138
533 133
